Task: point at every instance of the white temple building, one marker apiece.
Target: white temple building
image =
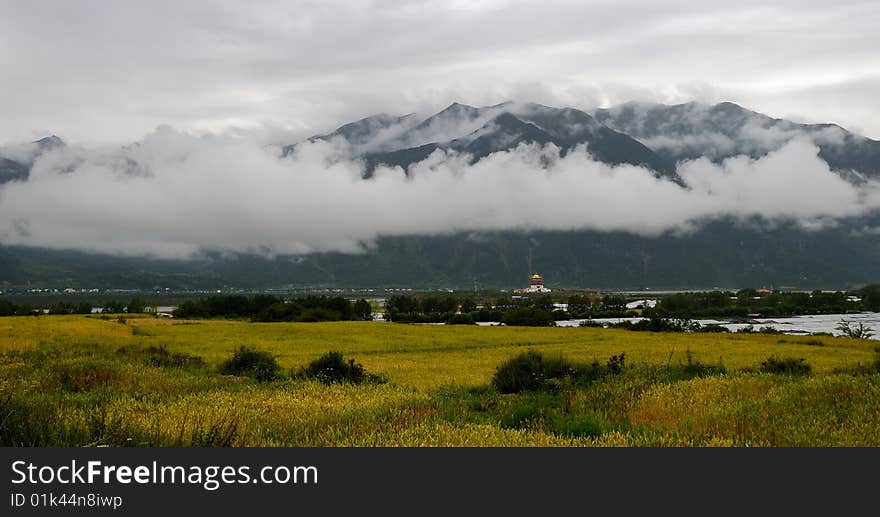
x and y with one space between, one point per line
536 285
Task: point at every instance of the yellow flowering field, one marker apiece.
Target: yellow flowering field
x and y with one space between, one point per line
90 380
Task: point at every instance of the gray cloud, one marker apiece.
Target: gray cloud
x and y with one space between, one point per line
239 80
695 130
174 194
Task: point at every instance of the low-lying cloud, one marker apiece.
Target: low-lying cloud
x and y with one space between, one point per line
696 129
174 195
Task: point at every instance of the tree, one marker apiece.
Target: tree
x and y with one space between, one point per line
871 297
363 310
61 308
502 303
468 305
7 308
27 310
402 303
528 317
136 305
578 305
114 307
613 303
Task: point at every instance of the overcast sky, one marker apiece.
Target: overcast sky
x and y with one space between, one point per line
99 72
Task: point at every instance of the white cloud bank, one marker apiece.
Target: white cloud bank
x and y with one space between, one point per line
174 194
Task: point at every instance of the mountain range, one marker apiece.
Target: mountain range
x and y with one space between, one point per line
693 130
478 132
658 137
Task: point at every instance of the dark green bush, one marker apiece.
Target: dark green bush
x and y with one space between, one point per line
249 362
316 314
333 368
694 368
532 371
460 319
576 425
658 324
786 366
528 317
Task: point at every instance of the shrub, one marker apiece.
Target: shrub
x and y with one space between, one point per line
532 371
616 363
528 317
853 330
333 368
460 319
694 368
786 366
657 324
249 362
316 314
281 311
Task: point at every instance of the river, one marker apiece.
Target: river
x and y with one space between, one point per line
797 325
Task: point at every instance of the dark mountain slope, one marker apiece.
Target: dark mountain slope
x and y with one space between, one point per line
721 254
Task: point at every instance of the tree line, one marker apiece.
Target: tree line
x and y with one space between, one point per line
265 308
133 306
747 302
541 310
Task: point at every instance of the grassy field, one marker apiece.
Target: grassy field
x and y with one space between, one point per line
83 380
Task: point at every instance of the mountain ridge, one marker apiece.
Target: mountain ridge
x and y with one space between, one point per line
716 253
688 131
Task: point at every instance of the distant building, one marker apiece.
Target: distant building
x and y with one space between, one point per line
536 285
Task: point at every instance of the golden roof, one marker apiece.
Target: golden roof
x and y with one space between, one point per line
536 276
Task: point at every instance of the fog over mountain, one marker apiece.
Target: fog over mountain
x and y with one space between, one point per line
693 130
440 142
507 167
